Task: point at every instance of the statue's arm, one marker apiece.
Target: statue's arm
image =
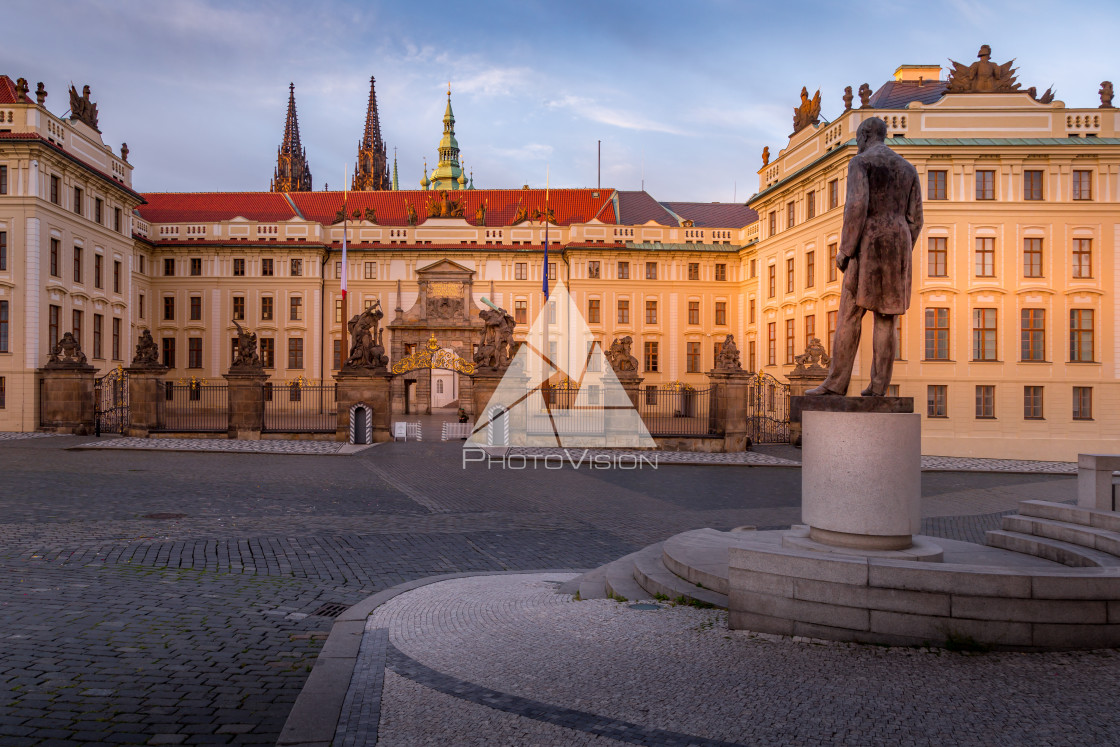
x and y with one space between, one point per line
914 213
855 212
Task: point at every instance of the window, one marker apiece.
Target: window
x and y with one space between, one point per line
140 303
692 357
551 270
651 271
623 270
194 352
1082 258
985 257
623 311
116 219
551 306
1082 185
593 311
693 312
98 329
721 313
811 327
789 342
754 268
336 357
169 308
1081 335
651 312
53 314
169 353
1033 334
937 406
593 269
721 272
1032 258
266 268
810 269
693 270
789 215
985 185
98 271
937 257
116 338
295 309
116 276
4 327
1083 403
651 395
141 264
266 309
520 312
296 269
55 190
651 356
268 352
772 286
772 343
97 205
3 251
833 250
370 270
238 267
78 200
937 334
3 393
716 348
1032 403
789 275
338 311
77 264
196 308
751 357
168 266
1032 186
295 352
196 266
76 325
750 311
983 334
55 251
936 185
810 205
985 401
3 180
830 329
338 270
773 222
239 308
898 337
833 193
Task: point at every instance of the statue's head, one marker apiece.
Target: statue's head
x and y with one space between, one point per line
985 52
871 132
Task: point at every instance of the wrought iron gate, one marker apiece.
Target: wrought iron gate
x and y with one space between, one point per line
767 410
110 394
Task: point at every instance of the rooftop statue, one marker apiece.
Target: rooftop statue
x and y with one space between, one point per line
808 112
81 108
982 76
1106 95
864 96
766 155
847 98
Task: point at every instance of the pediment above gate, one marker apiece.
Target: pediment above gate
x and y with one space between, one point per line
444 298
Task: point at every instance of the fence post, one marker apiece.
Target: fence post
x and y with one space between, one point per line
729 402
144 392
246 403
66 402
369 387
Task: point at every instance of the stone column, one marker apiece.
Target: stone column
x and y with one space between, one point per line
632 384
67 400
246 404
730 404
370 387
145 389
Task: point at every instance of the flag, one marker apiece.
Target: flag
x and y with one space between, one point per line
344 218
545 215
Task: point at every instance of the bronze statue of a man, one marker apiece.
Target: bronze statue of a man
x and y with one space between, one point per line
882 219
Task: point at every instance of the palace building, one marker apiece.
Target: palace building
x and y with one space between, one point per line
1009 347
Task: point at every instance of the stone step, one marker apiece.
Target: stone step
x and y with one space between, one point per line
699 557
1067 512
588 586
650 572
1075 534
619 580
1051 549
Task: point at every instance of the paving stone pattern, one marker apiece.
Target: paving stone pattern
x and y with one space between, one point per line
159 597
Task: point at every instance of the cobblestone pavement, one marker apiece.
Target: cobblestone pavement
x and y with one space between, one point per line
265 446
153 597
507 660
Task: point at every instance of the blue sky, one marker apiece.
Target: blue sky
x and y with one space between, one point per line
682 94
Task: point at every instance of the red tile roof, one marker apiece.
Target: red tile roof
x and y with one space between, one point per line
568 205
8 92
205 207
714 214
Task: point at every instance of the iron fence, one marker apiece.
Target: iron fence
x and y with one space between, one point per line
110 396
567 412
300 407
193 407
767 410
677 410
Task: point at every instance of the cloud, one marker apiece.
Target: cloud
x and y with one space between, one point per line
590 109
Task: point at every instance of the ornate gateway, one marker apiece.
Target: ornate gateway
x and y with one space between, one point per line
767 410
111 398
432 356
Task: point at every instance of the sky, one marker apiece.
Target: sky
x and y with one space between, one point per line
683 95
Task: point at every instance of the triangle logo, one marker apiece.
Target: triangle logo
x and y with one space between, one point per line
560 390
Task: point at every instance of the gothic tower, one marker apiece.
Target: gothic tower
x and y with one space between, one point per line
372 170
292 173
448 174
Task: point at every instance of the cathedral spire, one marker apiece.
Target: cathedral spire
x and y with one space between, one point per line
448 171
292 173
372 169
396 184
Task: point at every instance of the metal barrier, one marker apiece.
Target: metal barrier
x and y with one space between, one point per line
567 413
193 407
677 410
300 407
767 410
110 395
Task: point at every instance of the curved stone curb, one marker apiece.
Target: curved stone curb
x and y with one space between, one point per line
314 717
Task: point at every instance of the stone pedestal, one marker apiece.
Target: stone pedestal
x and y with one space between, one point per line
632 383
730 403
861 476
246 404
369 388
67 401
145 389
832 403
801 381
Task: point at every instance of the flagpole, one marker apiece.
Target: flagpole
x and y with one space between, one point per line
547 310
343 348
